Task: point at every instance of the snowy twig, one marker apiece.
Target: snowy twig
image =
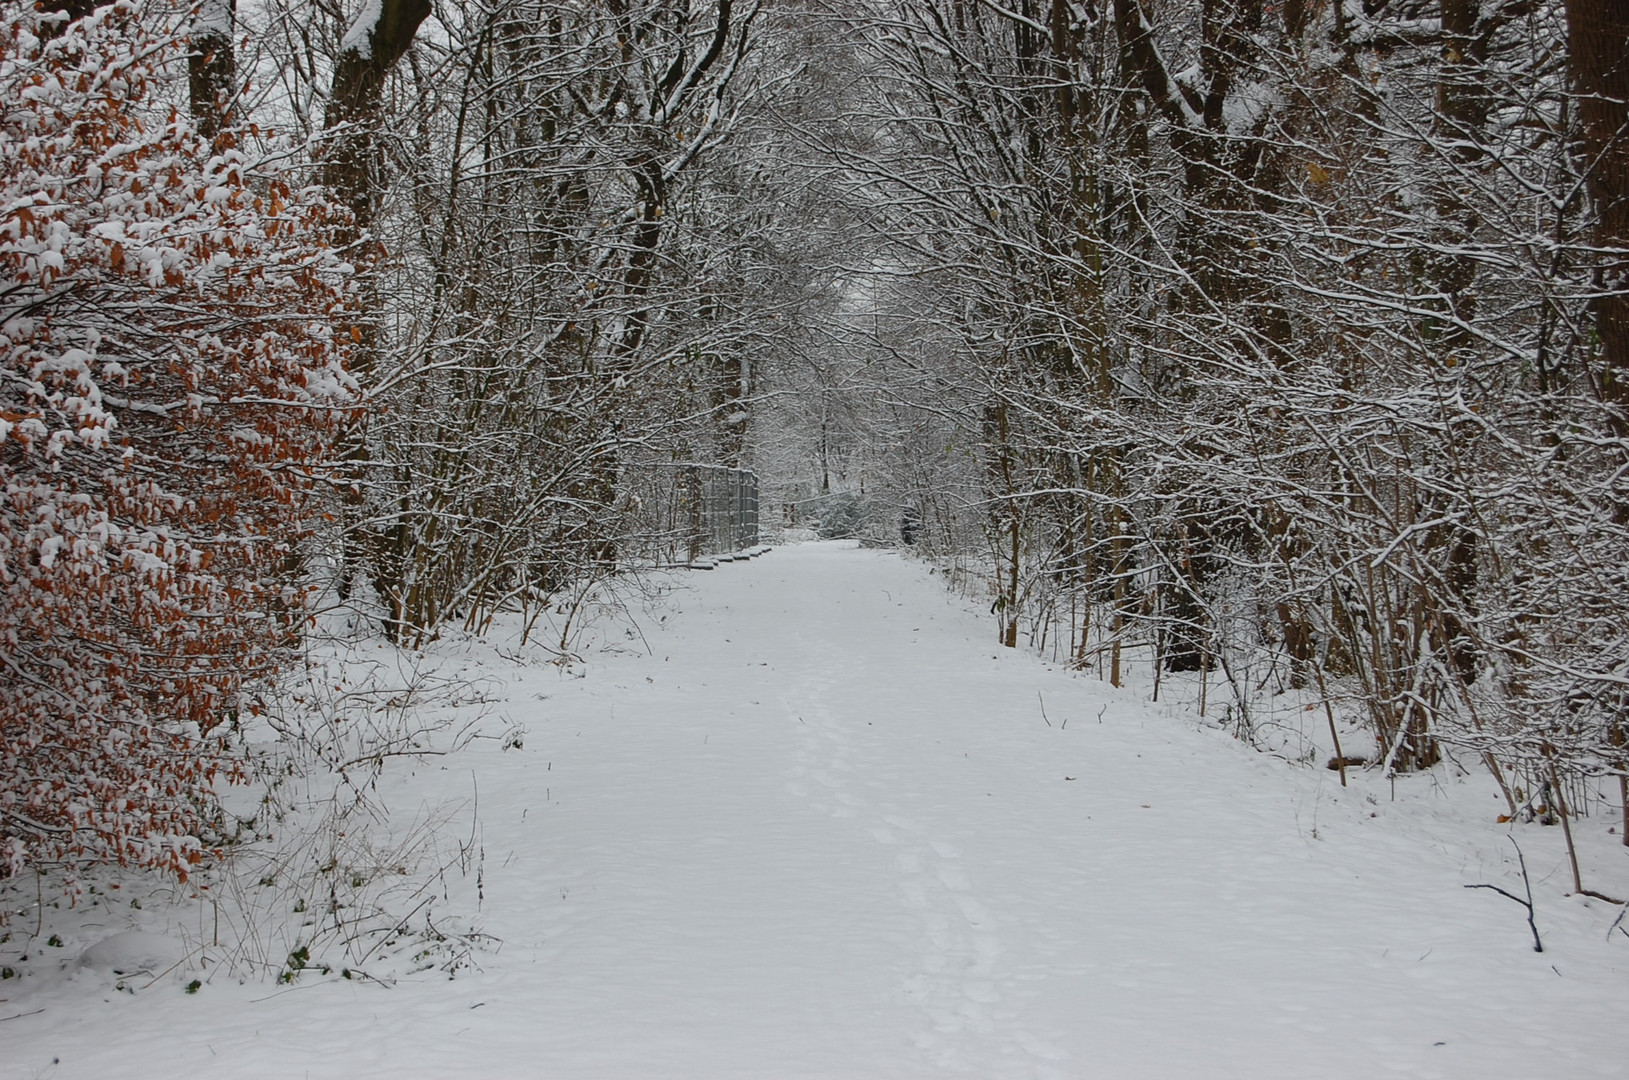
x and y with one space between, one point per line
1538 946
1618 923
19 1016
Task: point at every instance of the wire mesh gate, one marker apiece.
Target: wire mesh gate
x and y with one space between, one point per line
683 512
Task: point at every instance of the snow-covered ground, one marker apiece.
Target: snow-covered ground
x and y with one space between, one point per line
822 830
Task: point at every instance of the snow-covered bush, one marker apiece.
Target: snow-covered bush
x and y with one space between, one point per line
841 517
171 340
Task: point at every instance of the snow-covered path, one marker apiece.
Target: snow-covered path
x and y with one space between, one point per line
824 831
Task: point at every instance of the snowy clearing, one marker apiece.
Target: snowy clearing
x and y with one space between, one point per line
823 830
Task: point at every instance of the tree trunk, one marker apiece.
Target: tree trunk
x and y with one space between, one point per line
356 102
212 67
1599 33
351 171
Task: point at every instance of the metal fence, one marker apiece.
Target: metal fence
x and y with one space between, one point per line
683 512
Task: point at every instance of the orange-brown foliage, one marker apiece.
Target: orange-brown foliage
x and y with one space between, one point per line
168 375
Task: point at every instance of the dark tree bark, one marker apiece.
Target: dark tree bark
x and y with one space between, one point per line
1599 33
73 9
212 67
351 167
352 171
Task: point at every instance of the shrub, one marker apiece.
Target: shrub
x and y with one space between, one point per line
169 373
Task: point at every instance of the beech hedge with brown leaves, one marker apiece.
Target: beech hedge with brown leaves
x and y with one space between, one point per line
173 327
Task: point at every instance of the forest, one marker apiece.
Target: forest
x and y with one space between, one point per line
1285 344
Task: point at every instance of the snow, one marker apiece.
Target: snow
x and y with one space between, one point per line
133 951
821 829
359 35
214 18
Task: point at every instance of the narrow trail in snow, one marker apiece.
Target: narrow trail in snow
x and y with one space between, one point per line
957 980
842 689
822 830
945 883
